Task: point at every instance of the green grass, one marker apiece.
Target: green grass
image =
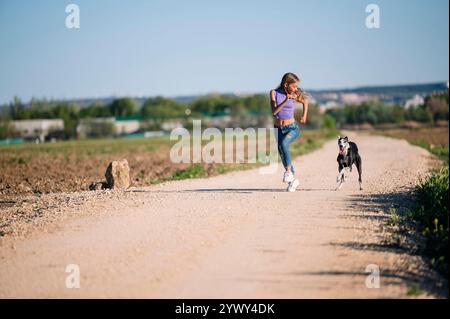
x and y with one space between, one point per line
433 139
394 218
17 160
431 212
414 290
194 171
89 146
441 151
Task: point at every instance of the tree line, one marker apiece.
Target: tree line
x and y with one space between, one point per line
155 108
241 109
435 108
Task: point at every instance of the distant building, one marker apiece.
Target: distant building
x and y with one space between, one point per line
126 126
355 98
104 126
330 96
169 125
37 129
416 100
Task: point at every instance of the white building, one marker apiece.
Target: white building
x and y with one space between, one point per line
171 124
355 98
37 128
126 126
86 127
414 101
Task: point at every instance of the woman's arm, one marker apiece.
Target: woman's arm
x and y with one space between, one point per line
305 111
273 103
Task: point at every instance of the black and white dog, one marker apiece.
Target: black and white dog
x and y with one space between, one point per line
348 155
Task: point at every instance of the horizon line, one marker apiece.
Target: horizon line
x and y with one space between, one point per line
136 96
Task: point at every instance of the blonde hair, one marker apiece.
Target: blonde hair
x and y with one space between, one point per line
289 78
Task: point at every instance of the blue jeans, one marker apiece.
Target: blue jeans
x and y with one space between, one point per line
285 136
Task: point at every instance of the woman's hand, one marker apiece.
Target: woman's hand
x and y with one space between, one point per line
298 97
303 120
292 96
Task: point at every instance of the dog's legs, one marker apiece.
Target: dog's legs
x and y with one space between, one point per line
347 171
340 183
340 167
340 176
359 167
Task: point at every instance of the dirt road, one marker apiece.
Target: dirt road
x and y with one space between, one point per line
237 235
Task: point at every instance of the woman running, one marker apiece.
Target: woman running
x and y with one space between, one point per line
283 100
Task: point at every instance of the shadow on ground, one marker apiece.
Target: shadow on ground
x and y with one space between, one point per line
401 238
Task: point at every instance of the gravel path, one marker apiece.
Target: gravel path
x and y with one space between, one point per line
237 235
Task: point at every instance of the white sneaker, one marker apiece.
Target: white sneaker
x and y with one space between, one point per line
288 177
293 185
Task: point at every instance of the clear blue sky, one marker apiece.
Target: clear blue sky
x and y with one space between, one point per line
171 48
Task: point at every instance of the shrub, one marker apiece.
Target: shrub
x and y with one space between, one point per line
432 214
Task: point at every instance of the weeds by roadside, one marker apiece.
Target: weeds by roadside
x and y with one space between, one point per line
431 212
440 151
428 214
